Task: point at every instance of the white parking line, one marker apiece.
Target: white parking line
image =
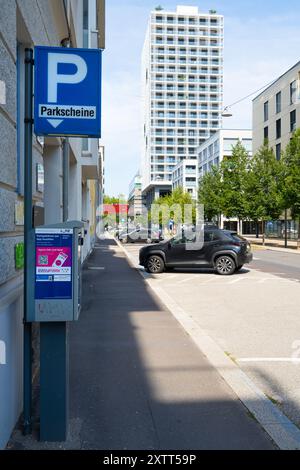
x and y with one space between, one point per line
183 281
171 276
235 281
209 280
270 359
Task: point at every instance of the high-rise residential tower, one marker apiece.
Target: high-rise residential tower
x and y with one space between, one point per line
182 77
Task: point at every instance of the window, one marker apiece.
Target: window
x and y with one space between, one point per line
278 152
293 120
229 144
278 102
293 92
278 129
266 133
211 236
266 111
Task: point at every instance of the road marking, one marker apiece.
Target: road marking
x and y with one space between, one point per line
235 281
183 281
171 276
270 359
96 268
209 280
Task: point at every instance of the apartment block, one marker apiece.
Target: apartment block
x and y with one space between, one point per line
185 175
182 80
220 146
135 200
276 112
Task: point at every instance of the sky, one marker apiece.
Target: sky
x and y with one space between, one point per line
262 41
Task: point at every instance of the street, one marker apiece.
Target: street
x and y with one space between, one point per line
253 316
285 265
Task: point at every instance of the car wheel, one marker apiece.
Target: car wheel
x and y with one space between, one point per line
225 266
155 265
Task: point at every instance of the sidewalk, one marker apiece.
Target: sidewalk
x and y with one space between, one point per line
273 244
138 381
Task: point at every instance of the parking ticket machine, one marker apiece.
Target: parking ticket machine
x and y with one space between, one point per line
57 283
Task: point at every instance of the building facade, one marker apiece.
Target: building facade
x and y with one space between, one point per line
276 112
135 199
25 24
219 146
182 81
185 175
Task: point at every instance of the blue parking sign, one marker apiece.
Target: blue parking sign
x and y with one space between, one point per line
67 91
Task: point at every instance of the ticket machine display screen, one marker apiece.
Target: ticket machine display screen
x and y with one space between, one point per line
53 264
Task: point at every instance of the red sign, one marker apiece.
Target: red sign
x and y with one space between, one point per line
110 209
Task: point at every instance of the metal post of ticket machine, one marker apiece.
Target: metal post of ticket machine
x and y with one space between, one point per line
57 301
67 102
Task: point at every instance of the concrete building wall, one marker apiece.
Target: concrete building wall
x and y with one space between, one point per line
25 23
261 122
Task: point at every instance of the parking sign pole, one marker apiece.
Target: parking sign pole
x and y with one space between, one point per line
71 106
27 358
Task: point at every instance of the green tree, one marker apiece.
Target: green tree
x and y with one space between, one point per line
291 178
234 174
120 199
263 188
176 202
210 194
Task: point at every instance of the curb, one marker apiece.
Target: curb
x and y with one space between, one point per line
283 432
260 246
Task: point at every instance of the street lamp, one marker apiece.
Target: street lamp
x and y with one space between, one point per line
226 112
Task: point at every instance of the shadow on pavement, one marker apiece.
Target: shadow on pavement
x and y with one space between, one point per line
138 381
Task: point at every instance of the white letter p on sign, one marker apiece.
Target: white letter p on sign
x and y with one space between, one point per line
54 78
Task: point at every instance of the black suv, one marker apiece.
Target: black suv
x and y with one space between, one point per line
223 250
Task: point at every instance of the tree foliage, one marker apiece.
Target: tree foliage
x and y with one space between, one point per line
210 194
234 173
175 202
291 186
264 187
254 188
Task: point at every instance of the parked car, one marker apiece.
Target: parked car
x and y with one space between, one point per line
223 250
139 235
